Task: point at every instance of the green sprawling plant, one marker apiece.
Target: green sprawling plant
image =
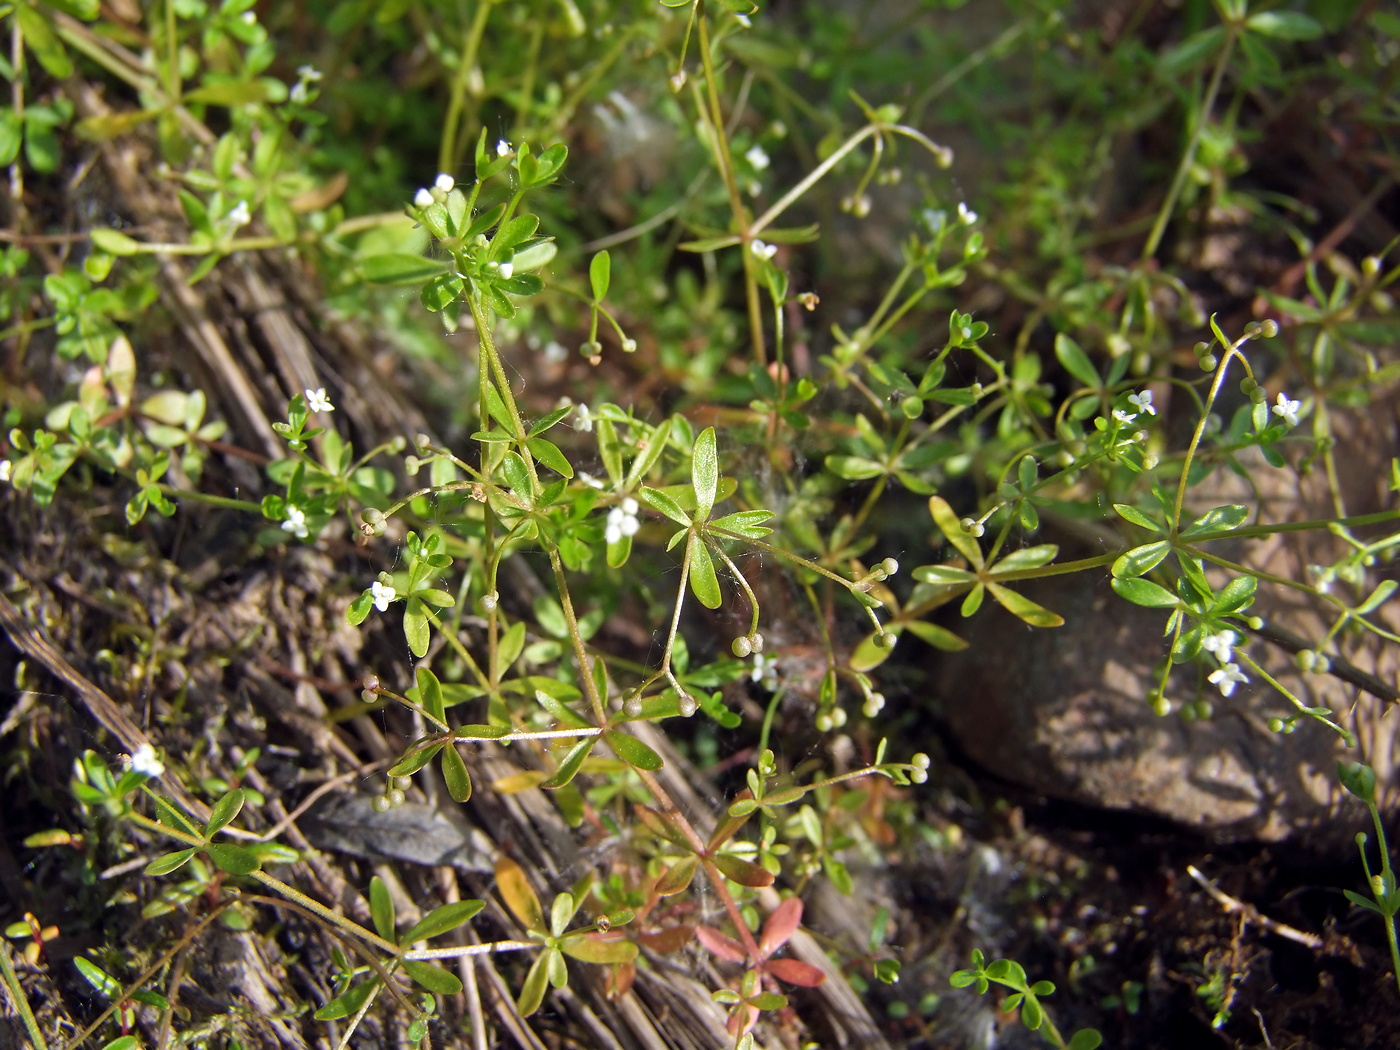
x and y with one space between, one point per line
767 450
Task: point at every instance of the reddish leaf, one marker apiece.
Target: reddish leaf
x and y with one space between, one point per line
720 944
780 926
660 824
794 971
671 939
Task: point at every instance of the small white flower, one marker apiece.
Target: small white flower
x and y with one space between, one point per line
423 198
1142 402
744 21
1124 417
444 182
298 93
316 400
145 762
507 269
1287 410
383 594
309 73
555 352
249 18
1220 644
588 479
765 670
622 521
757 158
1324 577
763 249
966 214
1227 678
583 419
296 523
239 215
502 148
5 469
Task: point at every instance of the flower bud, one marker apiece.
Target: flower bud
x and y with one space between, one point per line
756 642
677 80
395 797
890 566
741 647
380 804
689 705
823 723
489 601
370 684
632 707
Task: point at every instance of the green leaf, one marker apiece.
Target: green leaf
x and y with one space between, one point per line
594 949
548 453
1076 362
1032 1015
1231 516
951 528
1020 606
415 627
600 275
745 523
659 501
632 751
536 983
703 581
1137 517
169 862
97 977
1141 559
114 243
1026 558
410 764
430 694
349 1003
233 859
1144 592
743 872
40 38
224 811
944 575
938 637
399 268
381 908
704 473
1284 25
1085 1039
573 761
442 920
854 468
454 772
432 977
1236 595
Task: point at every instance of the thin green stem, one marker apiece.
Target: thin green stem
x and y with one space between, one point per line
21 1001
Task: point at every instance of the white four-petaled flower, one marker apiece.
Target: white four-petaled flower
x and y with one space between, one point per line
966 214
1287 410
1220 645
444 182
763 249
1124 417
317 401
1143 402
239 215
145 762
5 468
296 523
1227 678
502 148
765 670
383 594
757 158
583 419
423 197
622 521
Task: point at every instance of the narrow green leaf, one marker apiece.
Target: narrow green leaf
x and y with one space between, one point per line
1284 25
536 983
573 761
677 877
647 457
432 977
938 637
1076 362
1026 558
592 948
600 275
663 503
854 468
399 268
1141 559
745 523
1137 517
169 862
224 811
410 764
549 454
1020 606
943 575
1228 517
415 627
97 977
704 473
349 1003
632 751
703 581
430 694
454 772
381 908
442 920
1144 592
233 859
951 527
